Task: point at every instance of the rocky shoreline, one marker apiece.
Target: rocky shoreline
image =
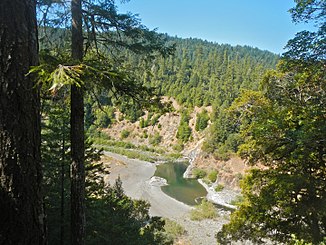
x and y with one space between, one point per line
222 198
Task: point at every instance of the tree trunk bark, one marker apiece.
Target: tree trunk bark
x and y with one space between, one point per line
21 216
77 135
62 184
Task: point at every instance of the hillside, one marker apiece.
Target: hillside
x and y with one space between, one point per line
163 136
201 80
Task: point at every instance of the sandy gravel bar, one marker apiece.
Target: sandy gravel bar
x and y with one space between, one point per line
136 180
135 175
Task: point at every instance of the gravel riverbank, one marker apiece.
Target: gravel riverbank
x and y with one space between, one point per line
137 181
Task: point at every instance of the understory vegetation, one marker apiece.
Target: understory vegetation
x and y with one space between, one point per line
205 210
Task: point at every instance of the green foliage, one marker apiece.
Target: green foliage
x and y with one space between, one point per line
144 135
55 155
296 241
283 128
155 119
223 138
117 219
309 46
202 120
142 123
109 212
174 155
199 173
178 147
104 117
112 217
237 201
184 131
219 187
206 210
132 154
155 139
124 134
212 176
212 75
222 153
173 229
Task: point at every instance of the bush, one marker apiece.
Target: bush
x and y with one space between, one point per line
206 181
212 176
141 123
219 187
198 173
178 147
206 210
155 139
155 120
222 153
173 229
174 155
131 154
144 134
124 134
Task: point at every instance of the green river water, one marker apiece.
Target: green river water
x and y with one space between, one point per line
184 190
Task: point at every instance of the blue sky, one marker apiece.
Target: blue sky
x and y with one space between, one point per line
265 24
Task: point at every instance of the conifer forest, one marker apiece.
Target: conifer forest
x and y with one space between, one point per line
99 115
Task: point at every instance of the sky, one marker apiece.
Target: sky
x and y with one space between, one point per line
265 24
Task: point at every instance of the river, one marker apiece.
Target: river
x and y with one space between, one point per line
183 190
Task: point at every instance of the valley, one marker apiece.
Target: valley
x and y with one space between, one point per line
138 182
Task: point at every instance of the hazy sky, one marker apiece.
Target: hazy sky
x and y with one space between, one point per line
265 24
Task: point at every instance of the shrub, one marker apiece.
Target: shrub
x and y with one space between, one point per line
155 120
212 176
173 229
198 173
141 123
206 210
222 153
239 176
174 155
121 117
155 139
124 134
206 181
219 187
178 147
144 135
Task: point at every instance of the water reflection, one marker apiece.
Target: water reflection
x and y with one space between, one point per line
184 190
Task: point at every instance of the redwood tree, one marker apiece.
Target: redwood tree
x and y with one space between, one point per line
21 216
77 133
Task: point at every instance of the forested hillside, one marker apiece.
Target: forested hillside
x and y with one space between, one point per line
199 73
80 81
204 73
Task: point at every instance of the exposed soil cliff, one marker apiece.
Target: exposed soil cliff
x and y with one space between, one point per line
166 127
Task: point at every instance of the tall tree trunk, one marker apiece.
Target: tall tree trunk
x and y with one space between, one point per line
62 184
77 135
21 216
